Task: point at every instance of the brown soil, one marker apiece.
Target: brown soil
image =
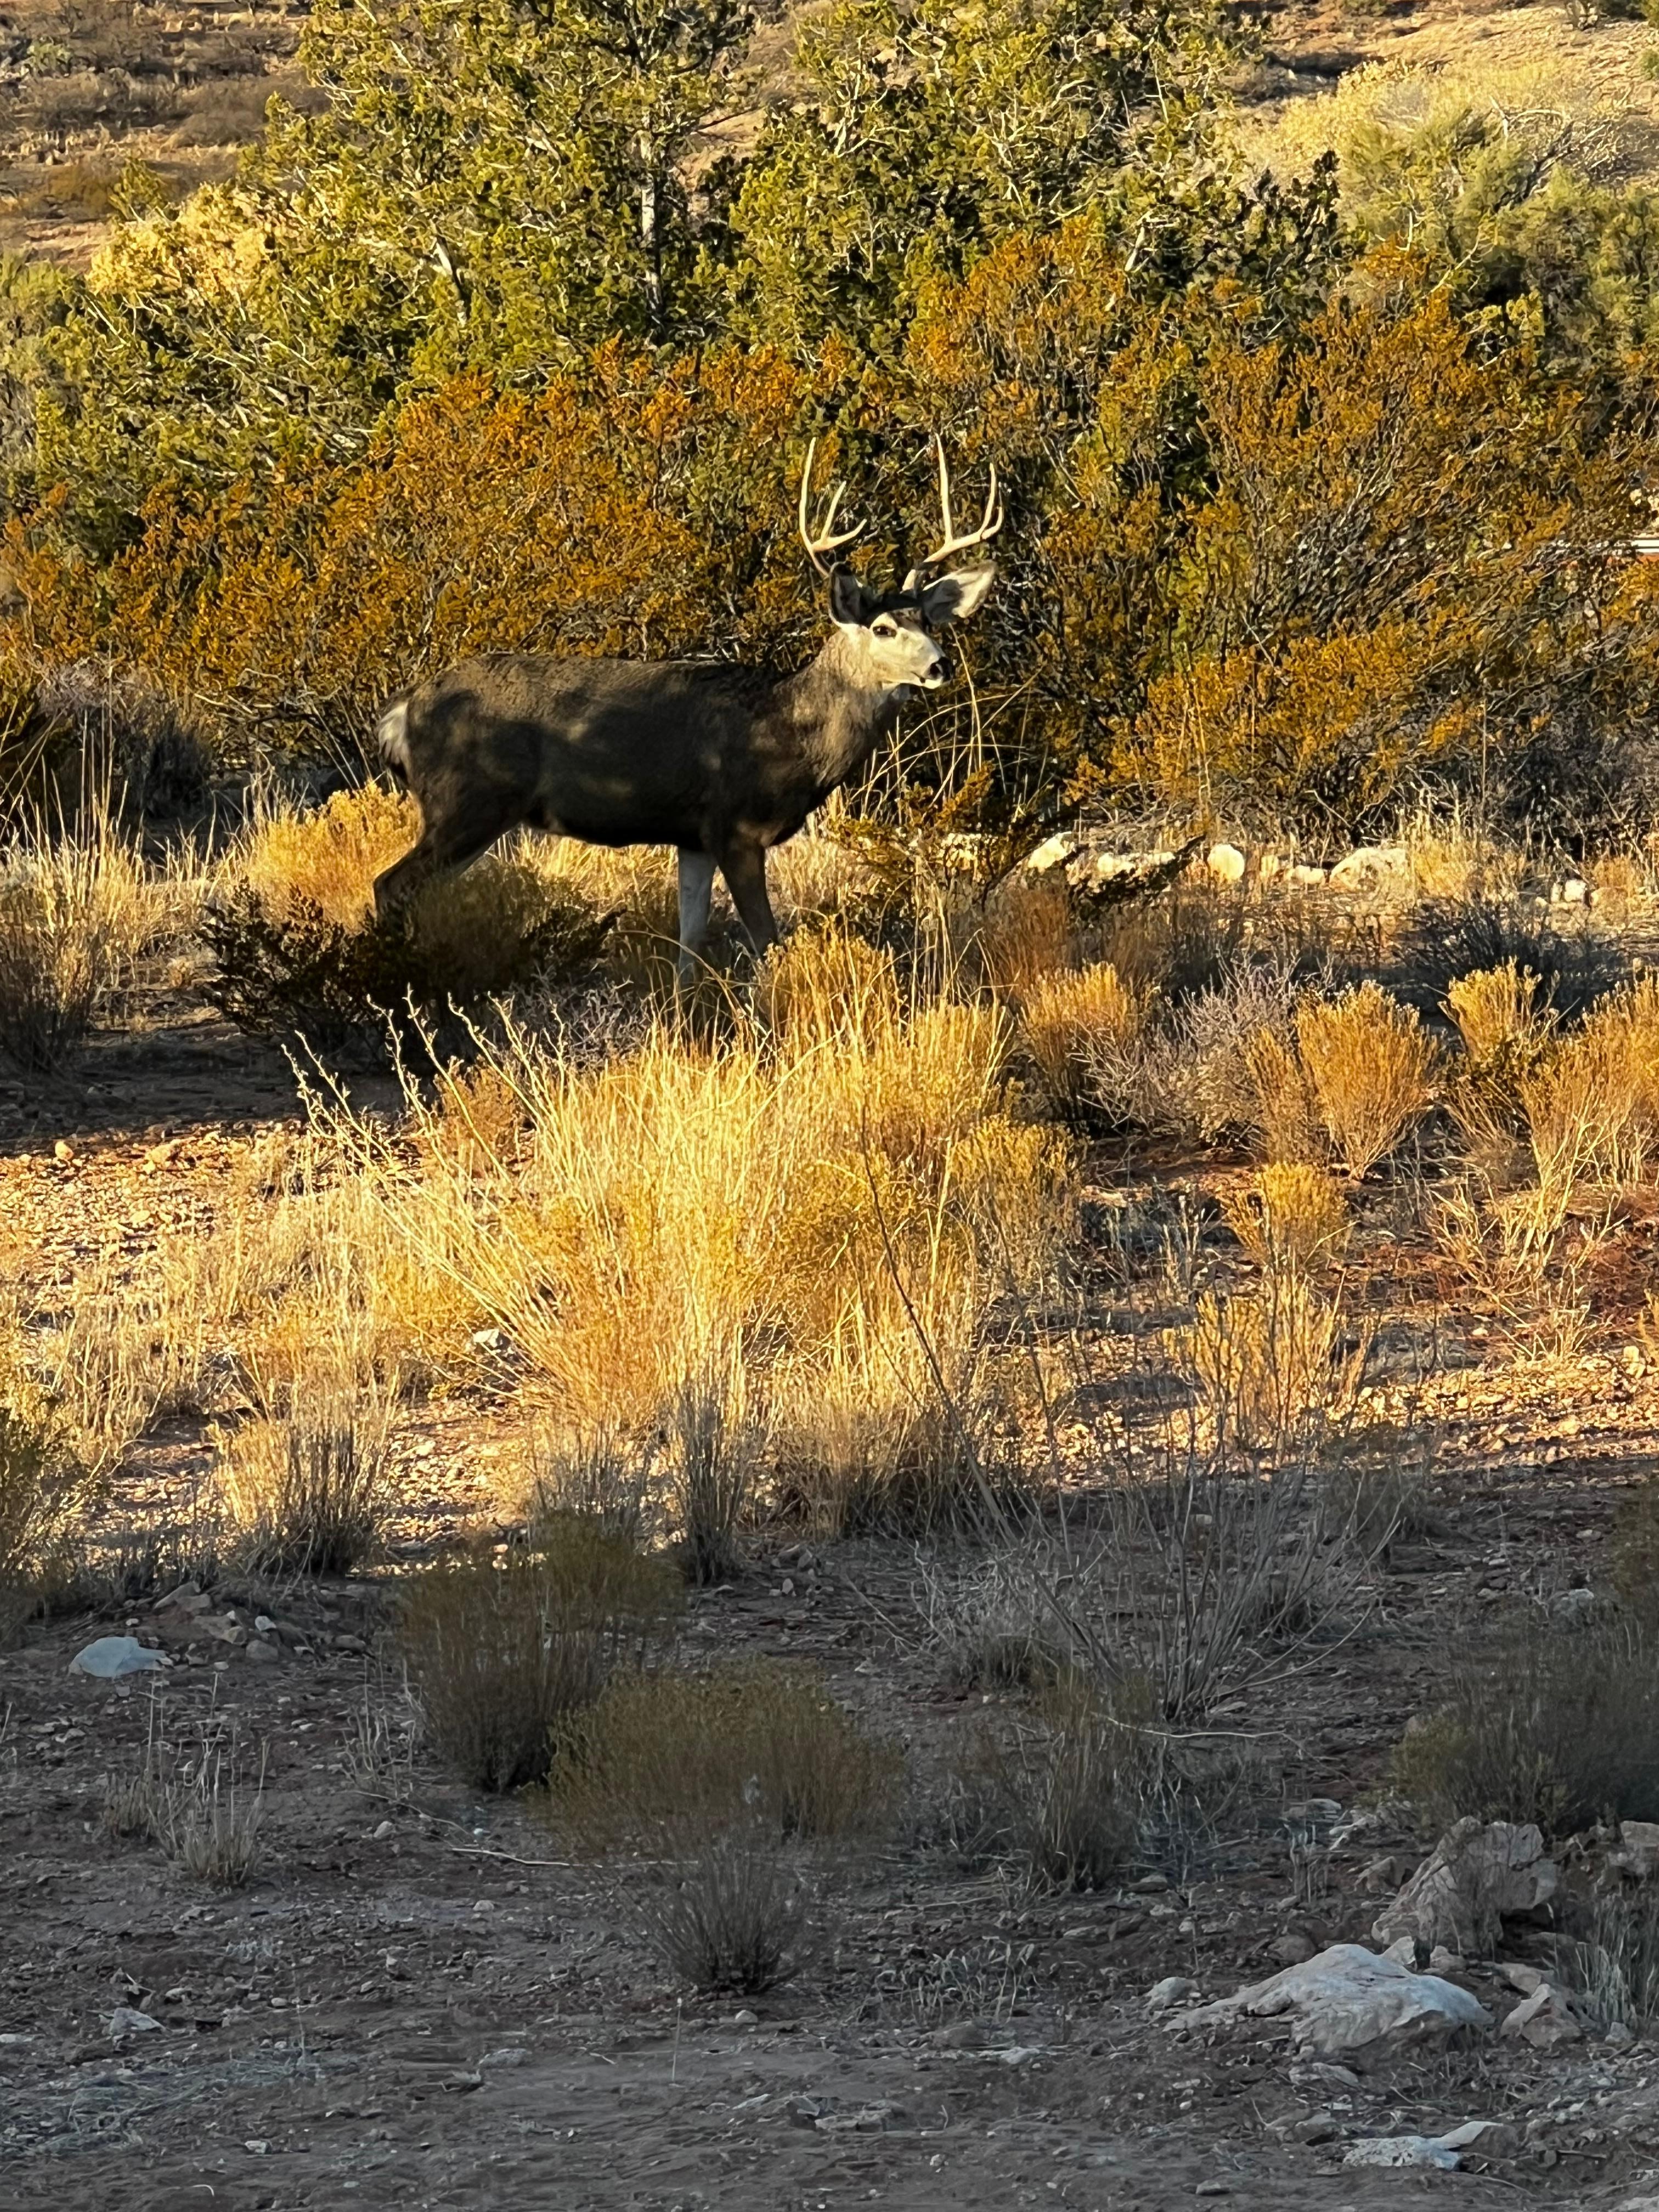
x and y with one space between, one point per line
334 2033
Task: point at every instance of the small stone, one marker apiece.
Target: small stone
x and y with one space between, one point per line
1173 1990
1214 2189
1293 1948
386 1830
1316 2128
1443 1961
1149 1885
126 2022
62 1152
1225 863
1543 2020
960 2035
1575 891
510 2054
1402 2150
261 1650
746 2018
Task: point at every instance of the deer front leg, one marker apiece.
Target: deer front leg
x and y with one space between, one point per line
697 891
743 867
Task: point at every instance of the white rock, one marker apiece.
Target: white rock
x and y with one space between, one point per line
1475 1877
125 2021
1638 1849
1349 2001
1225 863
1173 1990
1305 876
1575 891
1543 2020
112 1658
1053 853
1402 2150
1368 865
510 2054
1403 1952
1019 2054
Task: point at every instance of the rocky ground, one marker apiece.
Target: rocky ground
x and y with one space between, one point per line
415 2001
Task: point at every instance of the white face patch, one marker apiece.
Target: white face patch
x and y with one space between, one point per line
897 655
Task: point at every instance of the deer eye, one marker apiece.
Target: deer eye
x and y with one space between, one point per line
884 627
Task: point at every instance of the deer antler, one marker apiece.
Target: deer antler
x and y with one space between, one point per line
989 523
820 541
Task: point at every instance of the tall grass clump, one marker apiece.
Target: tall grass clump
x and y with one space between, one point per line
307 1491
763 1749
1371 1066
501 1649
44 1495
1559 1726
1067 1020
78 910
799 1239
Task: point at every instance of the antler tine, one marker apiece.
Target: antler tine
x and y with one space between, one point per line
822 540
989 523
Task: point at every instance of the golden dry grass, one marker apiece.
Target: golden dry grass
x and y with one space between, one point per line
1285 1110
1064 1018
1292 1216
307 1491
814 1222
1265 1363
78 914
1371 1066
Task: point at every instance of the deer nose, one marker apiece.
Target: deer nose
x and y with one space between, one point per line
934 671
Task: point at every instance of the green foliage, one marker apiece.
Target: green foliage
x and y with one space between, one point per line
928 134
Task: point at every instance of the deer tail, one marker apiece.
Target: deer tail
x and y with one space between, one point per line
391 737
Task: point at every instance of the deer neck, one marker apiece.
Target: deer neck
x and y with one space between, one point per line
839 717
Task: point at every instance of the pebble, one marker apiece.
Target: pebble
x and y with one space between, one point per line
1173 1990
746 2018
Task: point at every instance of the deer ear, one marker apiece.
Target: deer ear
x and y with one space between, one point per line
847 602
953 598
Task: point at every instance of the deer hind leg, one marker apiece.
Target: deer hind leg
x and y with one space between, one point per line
743 867
697 893
445 846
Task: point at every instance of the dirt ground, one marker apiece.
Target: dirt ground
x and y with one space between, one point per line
415 2003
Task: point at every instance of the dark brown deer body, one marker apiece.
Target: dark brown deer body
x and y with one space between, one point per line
720 761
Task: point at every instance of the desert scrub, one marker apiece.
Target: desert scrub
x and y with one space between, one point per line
306 1490
76 914
1055 1791
1370 1066
818 1223
1291 1217
762 1751
45 1493
298 947
500 1648
1555 1725
1067 1020
734 1916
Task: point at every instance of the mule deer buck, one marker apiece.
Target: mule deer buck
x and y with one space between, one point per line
720 761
